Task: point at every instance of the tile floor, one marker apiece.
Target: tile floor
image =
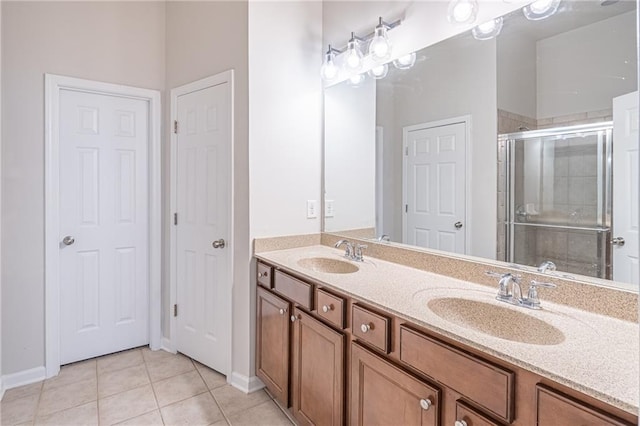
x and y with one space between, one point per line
138 387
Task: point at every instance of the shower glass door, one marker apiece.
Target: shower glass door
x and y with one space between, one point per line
558 198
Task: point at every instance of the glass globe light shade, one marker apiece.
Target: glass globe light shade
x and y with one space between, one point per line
488 30
353 58
329 70
380 46
379 71
462 11
405 62
540 9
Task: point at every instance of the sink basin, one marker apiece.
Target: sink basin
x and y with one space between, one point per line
328 265
497 321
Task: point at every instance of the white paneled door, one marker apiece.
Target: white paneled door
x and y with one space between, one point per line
625 189
434 186
104 228
203 225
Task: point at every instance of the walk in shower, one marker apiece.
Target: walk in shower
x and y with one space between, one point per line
555 190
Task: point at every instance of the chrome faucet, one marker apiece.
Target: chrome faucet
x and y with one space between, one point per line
348 253
509 290
547 266
352 252
383 237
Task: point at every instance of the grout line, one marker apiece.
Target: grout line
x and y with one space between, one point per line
224 415
153 390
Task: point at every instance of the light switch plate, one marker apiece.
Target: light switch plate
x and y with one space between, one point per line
328 208
312 209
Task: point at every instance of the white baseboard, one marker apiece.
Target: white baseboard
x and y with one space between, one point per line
244 383
13 380
167 345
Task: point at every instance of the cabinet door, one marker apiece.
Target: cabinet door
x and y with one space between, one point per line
272 345
383 394
317 372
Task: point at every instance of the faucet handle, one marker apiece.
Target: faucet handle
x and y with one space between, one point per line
358 252
533 301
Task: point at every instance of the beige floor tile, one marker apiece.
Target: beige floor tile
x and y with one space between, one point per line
265 414
178 388
86 414
122 380
22 391
166 367
119 361
72 373
233 401
198 410
150 419
126 405
68 396
212 378
19 410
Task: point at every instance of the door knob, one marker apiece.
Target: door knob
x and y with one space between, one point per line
218 244
618 241
425 403
458 225
68 240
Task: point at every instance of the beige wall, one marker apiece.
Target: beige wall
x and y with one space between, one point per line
105 41
204 39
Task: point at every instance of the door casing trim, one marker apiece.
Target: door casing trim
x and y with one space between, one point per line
221 78
53 85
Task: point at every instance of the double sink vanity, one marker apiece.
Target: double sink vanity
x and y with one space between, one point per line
367 342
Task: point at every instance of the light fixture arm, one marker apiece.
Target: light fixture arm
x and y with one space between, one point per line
368 37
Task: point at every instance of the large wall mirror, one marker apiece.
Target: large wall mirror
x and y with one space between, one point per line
521 148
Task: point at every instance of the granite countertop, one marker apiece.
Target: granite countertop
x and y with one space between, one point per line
592 353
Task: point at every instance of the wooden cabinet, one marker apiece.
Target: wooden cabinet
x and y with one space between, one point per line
272 343
556 409
383 394
332 360
317 372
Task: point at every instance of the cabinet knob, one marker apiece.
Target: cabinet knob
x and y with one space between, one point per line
327 308
262 274
365 327
460 423
293 318
425 403
283 311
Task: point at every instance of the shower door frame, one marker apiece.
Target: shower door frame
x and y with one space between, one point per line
605 225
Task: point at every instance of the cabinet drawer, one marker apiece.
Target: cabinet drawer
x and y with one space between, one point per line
488 385
470 417
331 308
371 327
555 408
265 274
294 289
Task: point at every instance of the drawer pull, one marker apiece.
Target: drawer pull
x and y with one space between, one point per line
327 308
425 403
283 311
263 274
365 327
293 318
460 423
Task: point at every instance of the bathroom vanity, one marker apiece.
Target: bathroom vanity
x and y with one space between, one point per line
375 342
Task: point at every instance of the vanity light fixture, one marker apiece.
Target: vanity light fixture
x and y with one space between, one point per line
380 46
379 71
353 60
462 11
329 70
540 9
405 62
488 30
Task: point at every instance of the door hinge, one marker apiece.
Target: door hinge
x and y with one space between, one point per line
406 150
175 126
175 218
175 310
406 208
